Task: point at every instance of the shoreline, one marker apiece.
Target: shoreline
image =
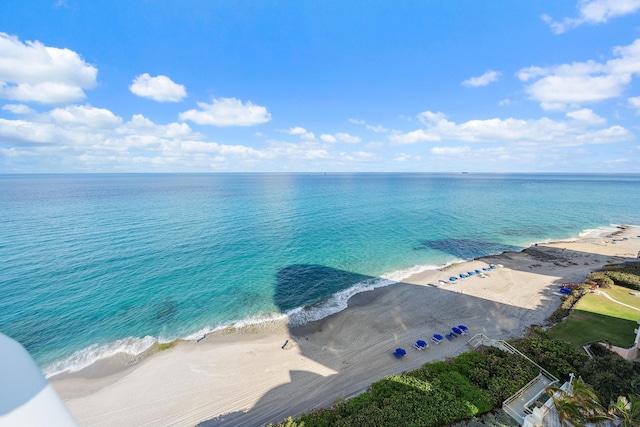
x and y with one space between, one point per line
119 359
248 378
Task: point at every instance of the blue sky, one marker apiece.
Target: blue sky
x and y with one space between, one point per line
325 86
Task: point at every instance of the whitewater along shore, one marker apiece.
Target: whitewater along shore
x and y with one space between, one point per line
263 374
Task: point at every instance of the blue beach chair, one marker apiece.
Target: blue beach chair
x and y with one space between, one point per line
457 331
436 338
450 336
399 352
420 345
463 328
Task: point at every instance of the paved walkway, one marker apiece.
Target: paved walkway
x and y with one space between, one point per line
616 301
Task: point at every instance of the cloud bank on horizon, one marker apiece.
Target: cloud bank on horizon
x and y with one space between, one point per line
224 87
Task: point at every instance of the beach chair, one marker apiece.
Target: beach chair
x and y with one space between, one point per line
470 273
478 271
457 331
420 345
399 352
436 338
450 336
463 276
485 269
452 279
464 329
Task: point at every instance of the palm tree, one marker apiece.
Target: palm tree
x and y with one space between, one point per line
579 407
626 411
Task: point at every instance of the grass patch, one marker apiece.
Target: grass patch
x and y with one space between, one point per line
583 327
599 304
596 318
623 295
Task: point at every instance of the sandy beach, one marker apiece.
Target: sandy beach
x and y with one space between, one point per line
249 378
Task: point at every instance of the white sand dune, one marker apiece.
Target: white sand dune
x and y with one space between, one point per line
248 379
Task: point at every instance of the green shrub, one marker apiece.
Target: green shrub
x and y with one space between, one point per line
600 279
460 386
610 375
466 362
626 275
556 356
473 383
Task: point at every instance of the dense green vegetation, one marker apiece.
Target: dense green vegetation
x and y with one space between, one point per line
473 384
467 389
437 394
626 274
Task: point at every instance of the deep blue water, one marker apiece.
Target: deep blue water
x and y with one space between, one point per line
91 264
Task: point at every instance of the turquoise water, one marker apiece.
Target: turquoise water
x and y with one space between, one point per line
93 264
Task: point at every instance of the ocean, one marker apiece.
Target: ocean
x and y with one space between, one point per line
92 265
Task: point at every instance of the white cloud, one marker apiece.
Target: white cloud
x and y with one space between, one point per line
586 115
582 82
345 137
593 12
159 88
33 72
23 131
224 112
427 117
488 77
142 125
296 131
504 102
615 162
450 151
358 156
635 102
328 138
376 129
340 136
304 134
413 137
18 109
86 115
309 150
84 138
541 131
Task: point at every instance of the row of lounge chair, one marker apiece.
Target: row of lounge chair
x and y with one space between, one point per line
436 339
478 272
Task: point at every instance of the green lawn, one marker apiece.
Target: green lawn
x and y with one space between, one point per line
624 295
597 318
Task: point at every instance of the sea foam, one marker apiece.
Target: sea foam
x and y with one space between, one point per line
89 355
339 301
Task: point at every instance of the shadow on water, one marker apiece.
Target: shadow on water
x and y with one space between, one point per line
407 314
311 284
466 248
